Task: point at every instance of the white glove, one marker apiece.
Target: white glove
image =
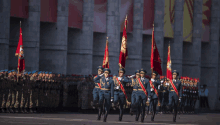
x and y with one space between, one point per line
119 78
131 76
151 89
148 99
101 74
161 81
158 86
152 80
117 87
111 100
106 79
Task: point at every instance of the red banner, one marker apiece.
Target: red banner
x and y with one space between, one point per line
124 52
148 16
48 11
100 10
20 53
169 70
75 14
155 57
127 9
106 57
206 9
19 8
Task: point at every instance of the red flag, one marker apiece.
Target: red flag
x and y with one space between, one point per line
124 52
155 57
106 56
169 70
20 53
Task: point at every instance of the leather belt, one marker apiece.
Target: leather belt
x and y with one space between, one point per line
97 87
172 90
105 89
134 89
140 89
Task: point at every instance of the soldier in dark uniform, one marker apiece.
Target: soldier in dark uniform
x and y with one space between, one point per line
165 94
191 95
96 90
160 94
5 91
119 96
106 93
141 95
134 84
1 87
153 94
173 91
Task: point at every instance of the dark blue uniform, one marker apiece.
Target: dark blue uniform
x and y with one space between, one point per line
173 98
96 90
105 94
153 97
141 99
134 84
165 96
119 96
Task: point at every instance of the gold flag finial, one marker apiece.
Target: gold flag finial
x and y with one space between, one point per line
107 38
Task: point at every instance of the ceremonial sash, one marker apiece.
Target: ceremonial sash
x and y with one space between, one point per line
142 87
122 88
98 84
174 87
155 90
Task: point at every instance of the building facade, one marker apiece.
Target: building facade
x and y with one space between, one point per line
53 43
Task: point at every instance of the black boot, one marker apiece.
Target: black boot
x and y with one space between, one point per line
16 110
3 110
105 116
152 118
25 110
31 110
174 118
131 111
137 117
142 118
99 114
7 110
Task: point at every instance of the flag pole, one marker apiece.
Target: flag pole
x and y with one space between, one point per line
152 70
18 60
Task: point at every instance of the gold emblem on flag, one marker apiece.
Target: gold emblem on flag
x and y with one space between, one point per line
169 65
123 45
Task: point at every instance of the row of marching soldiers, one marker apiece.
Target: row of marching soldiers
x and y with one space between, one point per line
29 91
147 95
189 94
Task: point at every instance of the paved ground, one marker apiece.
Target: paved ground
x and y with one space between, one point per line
90 119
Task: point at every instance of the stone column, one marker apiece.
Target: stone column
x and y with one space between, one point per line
113 33
5 6
31 36
134 60
177 44
159 27
192 51
80 51
209 64
53 54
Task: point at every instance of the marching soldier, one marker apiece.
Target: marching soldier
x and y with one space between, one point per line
191 94
175 93
106 93
1 87
184 95
96 90
119 91
195 94
5 91
153 94
134 84
18 91
160 94
165 94
141 95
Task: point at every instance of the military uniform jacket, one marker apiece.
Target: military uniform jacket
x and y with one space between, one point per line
134 84
107 85
123 81
145 83
97 80
177 84
151 91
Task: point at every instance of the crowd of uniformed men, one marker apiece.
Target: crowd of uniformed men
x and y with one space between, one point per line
147 94
30 91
